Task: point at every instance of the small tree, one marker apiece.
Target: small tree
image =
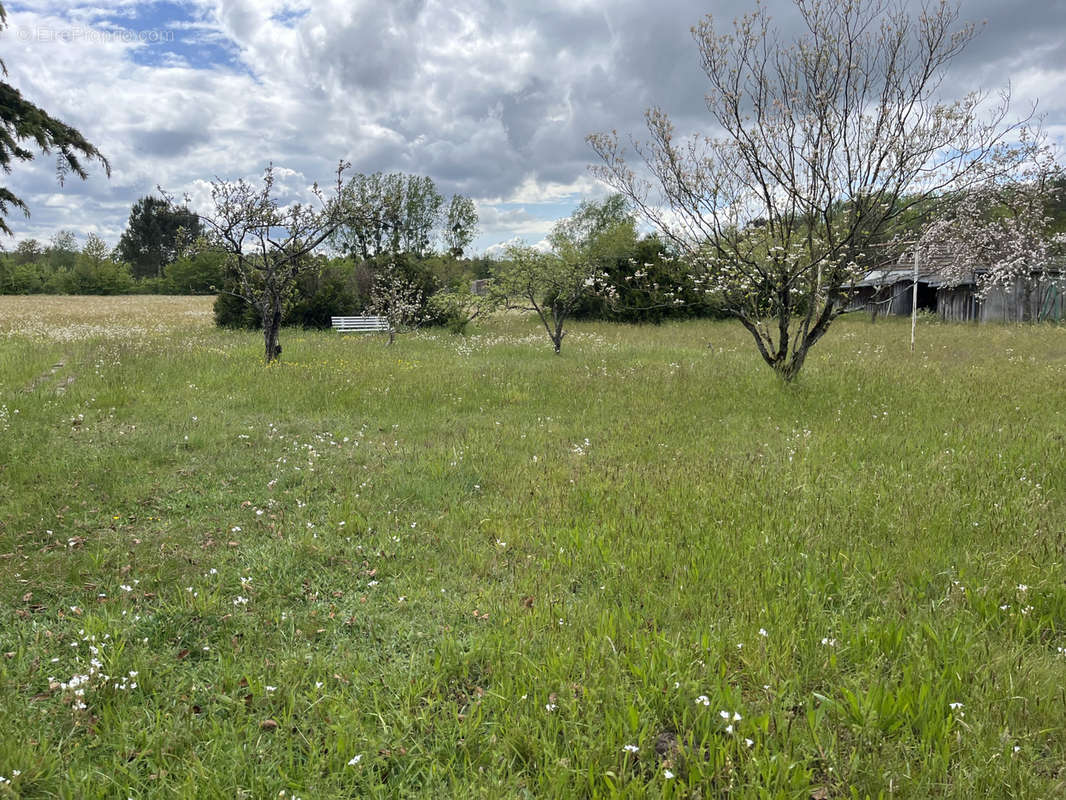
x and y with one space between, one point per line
397 298
556 284
28 251
268 246
525 278
546 283
822 148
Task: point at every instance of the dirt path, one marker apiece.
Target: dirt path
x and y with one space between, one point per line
61 385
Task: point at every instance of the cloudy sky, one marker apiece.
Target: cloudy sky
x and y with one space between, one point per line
491 98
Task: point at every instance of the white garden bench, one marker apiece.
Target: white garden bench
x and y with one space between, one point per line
359 324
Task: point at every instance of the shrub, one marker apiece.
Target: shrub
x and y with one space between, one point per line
335 290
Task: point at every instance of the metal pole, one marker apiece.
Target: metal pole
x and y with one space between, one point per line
914 298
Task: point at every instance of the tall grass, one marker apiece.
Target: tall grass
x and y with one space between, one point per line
469 567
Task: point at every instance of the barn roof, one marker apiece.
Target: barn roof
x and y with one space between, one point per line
887 277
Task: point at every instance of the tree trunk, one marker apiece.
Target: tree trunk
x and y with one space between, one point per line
788 365
790 368
271 329
558 317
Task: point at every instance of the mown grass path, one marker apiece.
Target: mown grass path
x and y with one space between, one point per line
469 567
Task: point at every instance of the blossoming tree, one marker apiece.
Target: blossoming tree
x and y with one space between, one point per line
268 246
820 148
1001 230
397 298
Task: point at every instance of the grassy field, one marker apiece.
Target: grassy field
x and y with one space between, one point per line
466 567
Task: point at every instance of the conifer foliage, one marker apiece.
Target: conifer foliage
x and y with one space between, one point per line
24 125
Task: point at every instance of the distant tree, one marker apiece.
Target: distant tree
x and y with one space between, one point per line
827 141
23 122
196 273
269 246
597 234
95 250
28 251
591 219
394 214
460 225
388 214
64 241
95 272
422 214
154 235
62 251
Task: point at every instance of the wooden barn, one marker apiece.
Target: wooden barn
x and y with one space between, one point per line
889 291
1037 298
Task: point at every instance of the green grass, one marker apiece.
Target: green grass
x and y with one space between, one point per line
478 569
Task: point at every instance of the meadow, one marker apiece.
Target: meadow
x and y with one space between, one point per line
468 567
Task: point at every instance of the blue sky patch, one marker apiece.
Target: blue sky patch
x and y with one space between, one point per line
288 16
166 33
